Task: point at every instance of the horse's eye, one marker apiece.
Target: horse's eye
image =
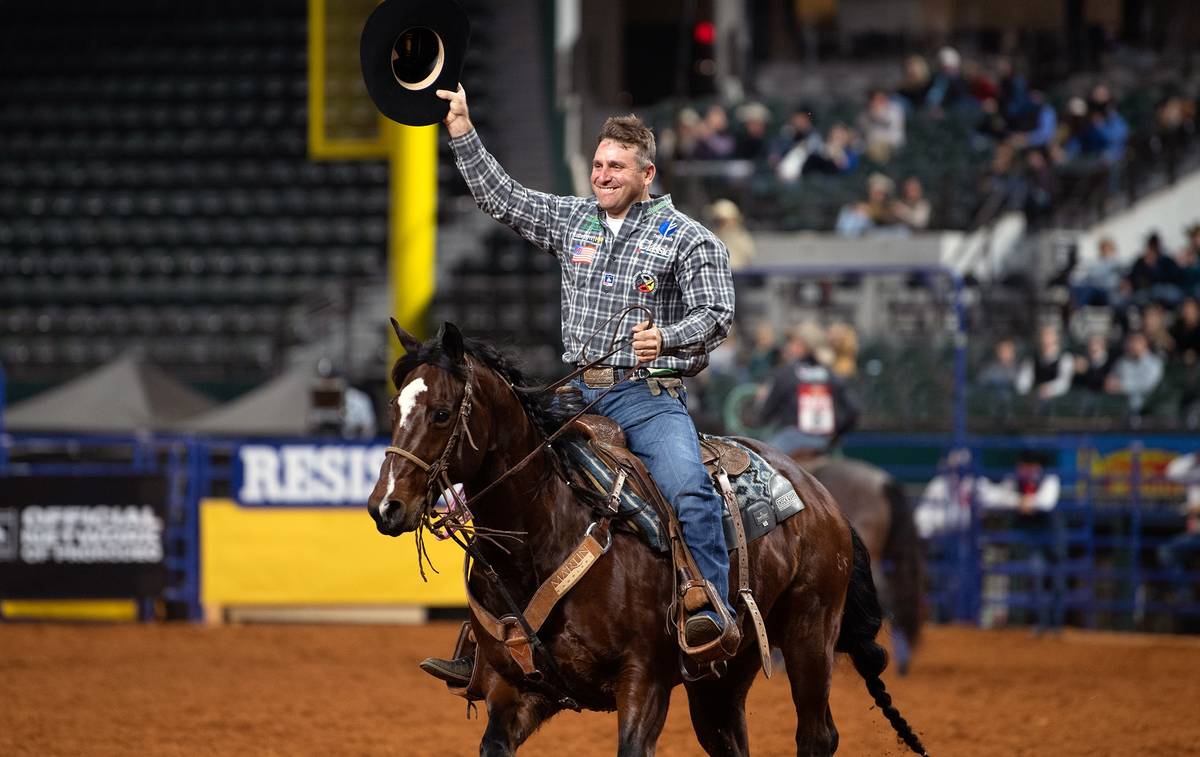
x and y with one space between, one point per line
441 416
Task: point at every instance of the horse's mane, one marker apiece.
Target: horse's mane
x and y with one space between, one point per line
543 414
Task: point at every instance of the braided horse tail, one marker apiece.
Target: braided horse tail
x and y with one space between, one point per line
861 621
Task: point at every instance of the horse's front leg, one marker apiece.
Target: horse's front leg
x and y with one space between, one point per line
642 702
512 716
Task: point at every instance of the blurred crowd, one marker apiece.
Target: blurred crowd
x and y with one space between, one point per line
1144 345
1023 137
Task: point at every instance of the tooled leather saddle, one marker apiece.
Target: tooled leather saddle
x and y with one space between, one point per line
762 499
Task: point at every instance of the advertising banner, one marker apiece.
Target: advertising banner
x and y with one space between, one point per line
295 532
305 475
82 536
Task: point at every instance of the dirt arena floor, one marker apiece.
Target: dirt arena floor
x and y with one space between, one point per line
333 690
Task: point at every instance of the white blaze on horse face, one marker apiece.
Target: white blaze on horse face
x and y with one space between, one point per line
407 403
408 398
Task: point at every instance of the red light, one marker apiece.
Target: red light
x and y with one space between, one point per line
704 33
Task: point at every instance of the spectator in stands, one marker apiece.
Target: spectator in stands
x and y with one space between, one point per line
727 225
875 213
981 85
949 89
1092 367
992 126
1040 187
914 89
1175 123
1155 277
1001 374
843 343
1137 373
752 137
1185 332
1109 123
1037 124
715 141
1105 133
1154 326
1013 91
797 139
681 142
911 208
837 154
1098 282
882 126
1002 184
764 354
1048 373
1189 263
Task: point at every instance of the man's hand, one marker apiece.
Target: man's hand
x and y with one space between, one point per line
458 121
647 342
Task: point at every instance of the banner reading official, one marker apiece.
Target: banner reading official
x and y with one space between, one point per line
77 537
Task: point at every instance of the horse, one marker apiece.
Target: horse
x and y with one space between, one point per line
608 637
877 507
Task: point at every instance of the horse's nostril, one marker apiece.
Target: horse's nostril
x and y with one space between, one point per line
383 509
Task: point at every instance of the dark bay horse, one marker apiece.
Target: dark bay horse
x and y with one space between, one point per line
877 507
609 635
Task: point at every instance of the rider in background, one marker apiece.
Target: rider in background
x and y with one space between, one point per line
618 249
805 400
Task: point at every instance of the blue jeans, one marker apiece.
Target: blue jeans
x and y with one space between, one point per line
661 433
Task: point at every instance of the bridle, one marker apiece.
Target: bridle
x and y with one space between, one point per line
437 474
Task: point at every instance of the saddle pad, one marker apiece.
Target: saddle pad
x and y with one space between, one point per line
765 497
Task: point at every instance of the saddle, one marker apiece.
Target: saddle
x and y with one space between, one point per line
600 441
603 462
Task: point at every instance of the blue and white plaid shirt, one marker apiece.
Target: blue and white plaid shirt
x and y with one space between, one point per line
661 259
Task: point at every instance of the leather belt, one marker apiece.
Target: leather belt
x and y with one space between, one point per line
604 376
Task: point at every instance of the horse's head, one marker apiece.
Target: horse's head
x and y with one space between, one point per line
434 440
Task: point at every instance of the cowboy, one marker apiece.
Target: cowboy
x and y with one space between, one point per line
809 397
623 247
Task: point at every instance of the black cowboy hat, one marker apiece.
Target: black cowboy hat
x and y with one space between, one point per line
409 50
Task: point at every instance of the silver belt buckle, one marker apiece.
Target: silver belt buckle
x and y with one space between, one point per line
600 378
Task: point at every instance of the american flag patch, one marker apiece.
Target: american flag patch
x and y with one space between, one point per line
583 254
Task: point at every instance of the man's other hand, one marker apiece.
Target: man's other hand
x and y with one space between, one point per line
647 342
457 120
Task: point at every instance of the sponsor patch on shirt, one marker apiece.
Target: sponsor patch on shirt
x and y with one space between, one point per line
658 207
645 282
607 282
583 254
656 249
590 223
668 228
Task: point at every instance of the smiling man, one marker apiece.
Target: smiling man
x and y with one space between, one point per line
619 248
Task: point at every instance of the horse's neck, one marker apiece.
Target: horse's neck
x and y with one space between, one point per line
538 505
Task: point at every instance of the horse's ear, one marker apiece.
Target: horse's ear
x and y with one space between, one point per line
452 341
407 340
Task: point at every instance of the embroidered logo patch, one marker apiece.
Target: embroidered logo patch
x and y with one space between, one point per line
608 281
654 248
583 254
657 207
590 223
668 228
645 282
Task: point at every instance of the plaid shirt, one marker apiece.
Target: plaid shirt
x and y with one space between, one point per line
661 259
